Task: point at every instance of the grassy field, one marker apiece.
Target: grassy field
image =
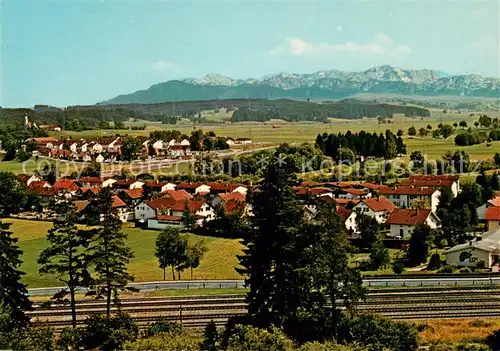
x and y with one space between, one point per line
457 330
218 263
279 131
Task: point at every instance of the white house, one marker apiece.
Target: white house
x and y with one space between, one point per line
173 214
202 189
108 182
403 221
485 248
435 182
404 197
230 142
375 207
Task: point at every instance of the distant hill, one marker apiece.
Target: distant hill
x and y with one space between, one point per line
317 86
96 117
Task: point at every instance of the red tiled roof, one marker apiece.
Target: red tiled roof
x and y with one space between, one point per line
188 185
407 190
492 214
343 213
193 205
495 201
379 204
217 186
160 203
233 205
232 196
96 180
178 195
311 191
154 184
92 189
308 183
452 177
64 184
80 205
408 216
354 191
427 182
133 193
117 202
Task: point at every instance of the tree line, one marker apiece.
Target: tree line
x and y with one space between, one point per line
350 145
295 111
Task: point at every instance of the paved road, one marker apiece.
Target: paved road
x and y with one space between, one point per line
371 282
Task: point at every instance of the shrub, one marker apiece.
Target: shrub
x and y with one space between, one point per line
331 346
398 267
108 334
446 269
247 338
177 340
434 262
162 325
379 333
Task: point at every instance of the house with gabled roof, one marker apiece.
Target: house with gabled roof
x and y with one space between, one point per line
434 181
402 222
376 207
485 248
405 196
492 217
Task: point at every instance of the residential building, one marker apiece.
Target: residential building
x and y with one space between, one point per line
376 207
404 197
402 222
485 249
492 218
434 181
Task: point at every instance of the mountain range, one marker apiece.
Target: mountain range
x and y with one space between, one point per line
322 85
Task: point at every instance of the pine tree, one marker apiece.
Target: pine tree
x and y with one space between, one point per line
110 254
66 254
13 294
333 278
270 257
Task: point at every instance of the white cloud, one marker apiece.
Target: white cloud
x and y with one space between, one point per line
163 65
340 28
381 45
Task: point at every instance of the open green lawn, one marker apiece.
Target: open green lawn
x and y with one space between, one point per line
218 263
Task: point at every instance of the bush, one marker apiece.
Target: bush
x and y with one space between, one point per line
378 333
481 265
247 338
108 334
398 267
331 346
434 262
446 269
69 339
177 340
162 325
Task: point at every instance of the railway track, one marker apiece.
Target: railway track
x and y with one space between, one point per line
197 311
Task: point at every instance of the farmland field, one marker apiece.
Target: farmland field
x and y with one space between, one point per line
218 263
281 132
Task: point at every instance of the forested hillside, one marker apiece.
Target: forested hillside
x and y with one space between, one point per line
101 117
308 111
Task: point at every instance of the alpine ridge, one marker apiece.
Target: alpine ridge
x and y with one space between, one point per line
322 85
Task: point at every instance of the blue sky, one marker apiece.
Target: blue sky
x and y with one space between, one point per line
81 52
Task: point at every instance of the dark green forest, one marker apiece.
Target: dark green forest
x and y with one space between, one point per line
79 118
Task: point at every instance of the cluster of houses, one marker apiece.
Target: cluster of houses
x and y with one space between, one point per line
165 205
110 149
399 208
